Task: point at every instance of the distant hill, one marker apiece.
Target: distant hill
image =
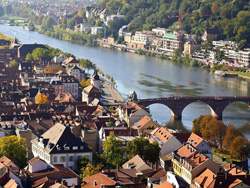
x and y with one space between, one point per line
231 17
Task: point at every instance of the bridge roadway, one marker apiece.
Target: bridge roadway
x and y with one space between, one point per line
176 104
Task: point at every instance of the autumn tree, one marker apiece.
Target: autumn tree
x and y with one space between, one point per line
240 148
112 151
84 83
211 129
42 99
82 162
14 148
90 170
215 8
218 131
231 134
14 63
143 148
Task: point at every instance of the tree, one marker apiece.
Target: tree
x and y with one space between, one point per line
242 44
64 23
39 52
112 151
142 147
14 63
71 23
242 33
42 99
215 8
90 170
82 162
29 57
87 64
14 148
218 131
231 134
240 147
196 124
84 83
212 130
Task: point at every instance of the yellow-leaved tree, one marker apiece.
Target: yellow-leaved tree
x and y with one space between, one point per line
90 170
15 148
42 99
84 83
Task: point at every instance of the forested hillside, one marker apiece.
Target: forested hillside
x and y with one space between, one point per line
232 17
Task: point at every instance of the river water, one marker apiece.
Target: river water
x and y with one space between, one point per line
154 77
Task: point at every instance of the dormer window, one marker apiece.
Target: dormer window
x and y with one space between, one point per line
75 147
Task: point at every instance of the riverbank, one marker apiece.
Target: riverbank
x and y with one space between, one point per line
241 74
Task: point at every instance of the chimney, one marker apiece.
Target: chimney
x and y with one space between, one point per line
95 183
199 159
117 166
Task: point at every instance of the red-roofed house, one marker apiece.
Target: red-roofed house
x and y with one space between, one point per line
145 126
188 162
200 144
132 113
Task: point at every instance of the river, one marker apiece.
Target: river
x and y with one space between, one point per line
154 77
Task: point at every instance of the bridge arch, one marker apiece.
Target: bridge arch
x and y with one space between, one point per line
201 108
240 107
161 112
177 104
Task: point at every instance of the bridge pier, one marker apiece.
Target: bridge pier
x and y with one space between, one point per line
176 115
217 115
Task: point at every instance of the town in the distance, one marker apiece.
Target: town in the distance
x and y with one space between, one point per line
63 122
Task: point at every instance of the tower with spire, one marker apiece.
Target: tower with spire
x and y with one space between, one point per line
95 79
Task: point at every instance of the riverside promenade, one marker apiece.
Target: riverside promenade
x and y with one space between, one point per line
110 95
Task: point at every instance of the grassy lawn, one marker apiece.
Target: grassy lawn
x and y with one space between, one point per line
221 155
240 73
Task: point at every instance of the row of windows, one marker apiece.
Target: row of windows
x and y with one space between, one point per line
63 158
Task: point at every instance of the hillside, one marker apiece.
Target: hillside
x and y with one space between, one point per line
231 17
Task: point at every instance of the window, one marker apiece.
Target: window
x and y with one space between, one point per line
62 159
71 158
55 159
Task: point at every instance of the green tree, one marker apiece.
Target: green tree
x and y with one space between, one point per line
82 163
142 147
239 148
29 57
14 148
196 124
87 64
64 23
14 63
40 52
71 23
242 33
112 151
242 44
90 170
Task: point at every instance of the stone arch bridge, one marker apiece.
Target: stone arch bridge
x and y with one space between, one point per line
176 104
